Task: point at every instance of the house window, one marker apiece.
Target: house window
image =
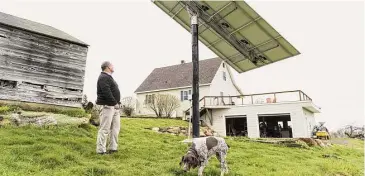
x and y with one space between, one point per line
149 99
224 76
184 95
223 65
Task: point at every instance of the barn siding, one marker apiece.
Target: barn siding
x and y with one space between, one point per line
40 69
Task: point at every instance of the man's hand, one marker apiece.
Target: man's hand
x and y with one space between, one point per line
117 106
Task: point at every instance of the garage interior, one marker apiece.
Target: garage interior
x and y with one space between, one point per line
275 126
236 126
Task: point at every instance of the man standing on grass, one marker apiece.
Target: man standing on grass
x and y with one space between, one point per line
108 96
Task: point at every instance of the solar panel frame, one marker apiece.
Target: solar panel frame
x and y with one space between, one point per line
248 42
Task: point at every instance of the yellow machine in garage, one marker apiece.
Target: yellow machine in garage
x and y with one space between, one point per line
321 132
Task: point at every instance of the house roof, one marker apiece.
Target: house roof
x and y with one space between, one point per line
180 75
39 28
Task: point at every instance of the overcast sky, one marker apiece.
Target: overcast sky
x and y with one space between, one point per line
138 37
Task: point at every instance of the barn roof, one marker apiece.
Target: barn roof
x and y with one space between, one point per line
179 75
36 27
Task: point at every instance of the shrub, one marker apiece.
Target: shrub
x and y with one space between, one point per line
4 109
128 111
128 105
89 106
94 119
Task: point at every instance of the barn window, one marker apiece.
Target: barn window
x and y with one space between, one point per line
8 83
224 76
224 65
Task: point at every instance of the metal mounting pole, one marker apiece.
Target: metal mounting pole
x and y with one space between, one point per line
195 59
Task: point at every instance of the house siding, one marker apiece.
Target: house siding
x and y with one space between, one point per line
219 85
252 111
310 120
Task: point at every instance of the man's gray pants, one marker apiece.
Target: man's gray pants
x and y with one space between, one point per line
109 127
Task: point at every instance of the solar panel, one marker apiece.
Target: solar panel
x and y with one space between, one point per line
233 31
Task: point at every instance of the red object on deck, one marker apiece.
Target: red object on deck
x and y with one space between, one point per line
268 100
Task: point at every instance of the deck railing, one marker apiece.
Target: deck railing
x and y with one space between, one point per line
262 98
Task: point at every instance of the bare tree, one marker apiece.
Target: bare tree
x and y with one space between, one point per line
171 103
339 133
155 104
163 104
352 131
128 106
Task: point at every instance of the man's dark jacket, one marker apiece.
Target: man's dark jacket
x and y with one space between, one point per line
107 90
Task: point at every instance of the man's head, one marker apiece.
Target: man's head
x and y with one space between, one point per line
107 67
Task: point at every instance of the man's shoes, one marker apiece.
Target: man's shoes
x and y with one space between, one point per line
108 152
112 151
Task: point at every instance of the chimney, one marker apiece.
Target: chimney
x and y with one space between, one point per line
182 61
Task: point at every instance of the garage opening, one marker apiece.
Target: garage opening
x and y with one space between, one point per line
275 126
236 126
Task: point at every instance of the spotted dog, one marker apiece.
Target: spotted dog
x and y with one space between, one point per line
202 150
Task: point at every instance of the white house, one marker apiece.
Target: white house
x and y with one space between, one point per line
225 108
215 79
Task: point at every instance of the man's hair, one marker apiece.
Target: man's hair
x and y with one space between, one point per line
104 65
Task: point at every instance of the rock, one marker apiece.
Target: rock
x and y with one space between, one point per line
208 133
1 118
331 156
175 130
202 134
156 129
162 129
42 121
15 118
19 120
310 142
319 142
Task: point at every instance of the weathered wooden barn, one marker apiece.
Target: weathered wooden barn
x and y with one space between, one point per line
39 63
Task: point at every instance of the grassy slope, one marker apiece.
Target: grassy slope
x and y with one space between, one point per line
71 151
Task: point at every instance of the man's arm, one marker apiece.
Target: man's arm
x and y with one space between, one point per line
106 91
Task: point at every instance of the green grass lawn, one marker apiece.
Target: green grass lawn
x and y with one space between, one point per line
70 150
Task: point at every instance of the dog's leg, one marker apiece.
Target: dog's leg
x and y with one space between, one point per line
222 159
202 166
